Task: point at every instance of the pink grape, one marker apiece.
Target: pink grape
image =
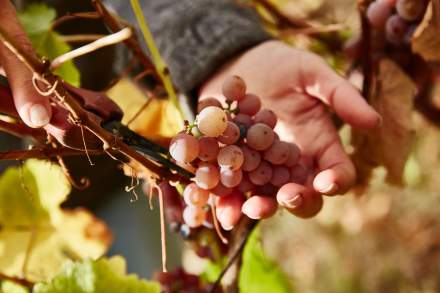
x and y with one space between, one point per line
221 190
298 174
194 216
243 119
260 137
230 178
294 155
250 105
252 159
231 134
230 157
378 12
229 209
195 196
208 148
267 117
262 174
245 185
234 88
280 176
410 10
184 148
212 121
395 29
278 153
208 102
207 176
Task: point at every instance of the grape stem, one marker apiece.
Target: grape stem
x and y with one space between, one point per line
367 62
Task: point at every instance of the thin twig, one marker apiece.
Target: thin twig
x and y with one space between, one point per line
72 16
20 281
163 229
100 43
43 153
139 111
284 21
21 130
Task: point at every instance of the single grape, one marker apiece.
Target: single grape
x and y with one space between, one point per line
208 102
294 155
262 174
230 178
280 176
221 190
395 29
278 153
267 117
260 137
184 148
195 196
234 88
252 159
208 148
245 185
212 121
229 209
243 119
250 105
230 157
410 10
231 134
207 176
298 174
378 12
194 216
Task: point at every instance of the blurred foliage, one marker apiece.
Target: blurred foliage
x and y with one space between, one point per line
103 275
37 21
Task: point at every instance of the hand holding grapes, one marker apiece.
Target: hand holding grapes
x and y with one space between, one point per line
298 86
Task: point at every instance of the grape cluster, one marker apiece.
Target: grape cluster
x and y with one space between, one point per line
397 18
179 281
237 155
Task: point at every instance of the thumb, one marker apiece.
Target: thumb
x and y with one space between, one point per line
33 108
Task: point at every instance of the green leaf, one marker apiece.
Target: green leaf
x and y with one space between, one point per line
37 21
37 237
11 287
103 275
259 274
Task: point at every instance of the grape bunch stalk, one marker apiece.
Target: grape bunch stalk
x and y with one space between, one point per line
237 158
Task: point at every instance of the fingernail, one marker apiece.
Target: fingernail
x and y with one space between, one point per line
294 202
329 189
38 115
227 228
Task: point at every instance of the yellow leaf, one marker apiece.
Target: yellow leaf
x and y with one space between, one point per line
425 41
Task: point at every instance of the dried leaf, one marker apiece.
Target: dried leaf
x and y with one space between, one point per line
425 41
389 145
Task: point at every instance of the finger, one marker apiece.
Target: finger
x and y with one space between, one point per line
228 210
338 173
260 207
320 81
33 108
299 200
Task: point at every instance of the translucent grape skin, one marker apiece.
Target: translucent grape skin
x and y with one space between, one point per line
267 117
410 10
221 190
395 29
250 105
230 157
194 216
280 176
208 148
252 159
184 148
234 88
207 176
195 196
277 153
260 137
243 119
212 121
294 155
208 102
230 178
261 175
378 12
231 134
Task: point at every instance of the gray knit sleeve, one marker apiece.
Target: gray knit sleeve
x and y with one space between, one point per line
196 36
